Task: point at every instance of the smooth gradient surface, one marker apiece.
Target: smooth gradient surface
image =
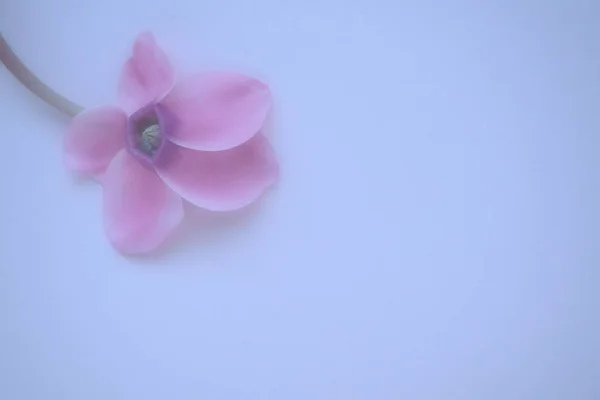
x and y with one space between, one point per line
434 234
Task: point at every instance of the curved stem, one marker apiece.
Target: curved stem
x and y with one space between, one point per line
33 83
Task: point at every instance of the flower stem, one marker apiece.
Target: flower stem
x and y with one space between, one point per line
33 83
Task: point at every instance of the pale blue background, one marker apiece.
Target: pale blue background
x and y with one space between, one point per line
434 235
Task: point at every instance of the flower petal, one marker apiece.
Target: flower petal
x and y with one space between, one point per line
216 111
221 180
140 211
93 138
147 75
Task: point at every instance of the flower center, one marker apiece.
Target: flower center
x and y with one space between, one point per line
150 139
146 135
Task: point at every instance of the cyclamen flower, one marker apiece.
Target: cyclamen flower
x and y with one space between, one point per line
197 139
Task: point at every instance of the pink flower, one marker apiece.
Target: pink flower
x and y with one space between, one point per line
197 139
